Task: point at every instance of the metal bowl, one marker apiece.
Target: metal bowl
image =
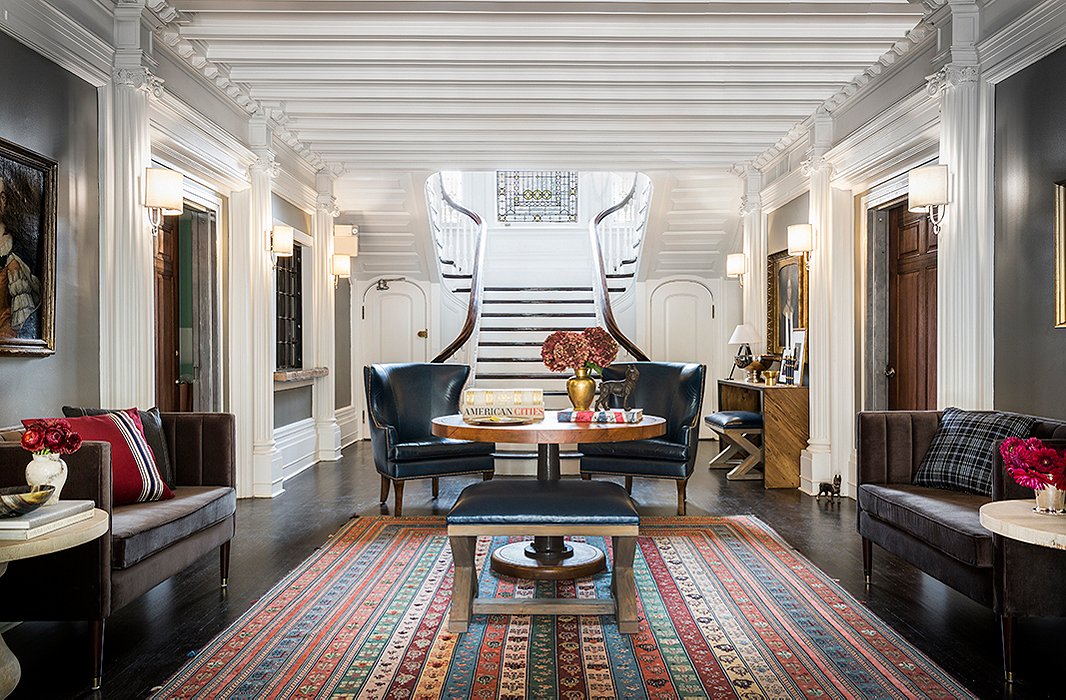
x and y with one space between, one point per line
19 500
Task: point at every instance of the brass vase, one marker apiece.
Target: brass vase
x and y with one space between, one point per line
581 388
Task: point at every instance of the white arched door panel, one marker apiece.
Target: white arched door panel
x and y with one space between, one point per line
393 327
682 324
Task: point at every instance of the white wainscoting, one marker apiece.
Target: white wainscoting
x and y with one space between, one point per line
295 445
348 420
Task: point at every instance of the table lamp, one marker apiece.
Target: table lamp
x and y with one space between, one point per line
743 335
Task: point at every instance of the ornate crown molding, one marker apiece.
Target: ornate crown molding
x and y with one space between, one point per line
266 163
951 75
138 78
327 204
749 204
816 164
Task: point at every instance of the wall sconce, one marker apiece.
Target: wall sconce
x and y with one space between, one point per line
282 241
801 242
735 266
164 195
345 247
929 193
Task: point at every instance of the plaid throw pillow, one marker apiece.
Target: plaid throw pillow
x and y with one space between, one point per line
962 453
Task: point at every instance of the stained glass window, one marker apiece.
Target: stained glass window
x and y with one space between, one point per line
540 196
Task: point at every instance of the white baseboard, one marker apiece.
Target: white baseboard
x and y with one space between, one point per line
296 444
348 420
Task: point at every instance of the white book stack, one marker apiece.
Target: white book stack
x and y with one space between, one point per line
45 519
503 405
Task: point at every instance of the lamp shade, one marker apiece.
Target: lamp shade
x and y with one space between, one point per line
345 229
928 187
164 189
734 265
281 242
341 266
743 334
346 245
800 239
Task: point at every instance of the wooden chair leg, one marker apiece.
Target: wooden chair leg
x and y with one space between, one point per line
486 476
96 647
436 486
629 485
463 583
223 563
624 586
867 559
398 488
384 488
682 487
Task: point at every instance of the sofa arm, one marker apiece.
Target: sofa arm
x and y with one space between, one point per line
892 444
88 471
202 448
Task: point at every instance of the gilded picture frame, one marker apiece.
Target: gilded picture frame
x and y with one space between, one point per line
786 298
1060 254
27 251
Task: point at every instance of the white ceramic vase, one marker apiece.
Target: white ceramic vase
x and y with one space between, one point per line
47 470
1051 500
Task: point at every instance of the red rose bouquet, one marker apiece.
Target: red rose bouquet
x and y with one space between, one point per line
592 348
50 436
1033 464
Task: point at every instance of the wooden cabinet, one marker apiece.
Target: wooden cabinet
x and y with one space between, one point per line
786 425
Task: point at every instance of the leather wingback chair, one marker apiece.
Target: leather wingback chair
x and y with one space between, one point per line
402 400
673 391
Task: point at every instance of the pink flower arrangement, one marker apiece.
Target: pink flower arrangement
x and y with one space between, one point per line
592 348
1033 464
50 436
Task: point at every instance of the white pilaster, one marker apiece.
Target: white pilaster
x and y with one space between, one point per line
844 340
964 258
267 475
127 293
754 223
241 343
327 431
816 463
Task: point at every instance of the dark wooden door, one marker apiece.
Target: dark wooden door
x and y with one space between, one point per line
166 316
911 371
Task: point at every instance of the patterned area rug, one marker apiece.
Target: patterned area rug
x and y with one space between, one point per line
728 609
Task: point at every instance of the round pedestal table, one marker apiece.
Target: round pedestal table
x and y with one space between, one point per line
12 550
1018 521
548 557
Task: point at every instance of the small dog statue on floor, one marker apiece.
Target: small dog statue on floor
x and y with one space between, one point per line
618 387
831 490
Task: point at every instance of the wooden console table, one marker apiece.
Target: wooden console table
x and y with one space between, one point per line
786 425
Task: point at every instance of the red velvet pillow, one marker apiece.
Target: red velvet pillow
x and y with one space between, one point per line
134 475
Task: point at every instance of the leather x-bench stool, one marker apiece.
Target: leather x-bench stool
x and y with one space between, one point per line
736 427
543 508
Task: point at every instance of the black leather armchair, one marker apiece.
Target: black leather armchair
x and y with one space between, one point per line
673 391
402 400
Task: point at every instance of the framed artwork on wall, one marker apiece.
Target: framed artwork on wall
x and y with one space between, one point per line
786 299
27 251
1060 254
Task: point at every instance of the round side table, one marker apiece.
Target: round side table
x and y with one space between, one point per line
548 557
11 550
1017 520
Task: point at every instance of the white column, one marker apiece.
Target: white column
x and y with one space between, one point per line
240 340
816 461
127 292
964 258
263 361
844 340
327 432
753 221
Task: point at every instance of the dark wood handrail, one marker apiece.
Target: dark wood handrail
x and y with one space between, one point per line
601 273
473 309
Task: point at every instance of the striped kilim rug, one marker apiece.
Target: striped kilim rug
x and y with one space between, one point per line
727 609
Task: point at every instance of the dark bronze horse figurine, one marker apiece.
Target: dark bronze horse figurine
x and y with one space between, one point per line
618 387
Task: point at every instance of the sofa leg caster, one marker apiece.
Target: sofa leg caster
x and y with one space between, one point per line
96 647
223 563
867 559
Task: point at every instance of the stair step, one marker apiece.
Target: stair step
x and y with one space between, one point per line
621 276
538 301
537 314
449 276
509 344
466 290
482 358
526 329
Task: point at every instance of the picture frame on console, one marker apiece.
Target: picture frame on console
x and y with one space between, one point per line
27 251
786 299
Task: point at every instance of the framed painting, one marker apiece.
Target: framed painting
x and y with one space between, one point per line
786 299
1060 254
27 251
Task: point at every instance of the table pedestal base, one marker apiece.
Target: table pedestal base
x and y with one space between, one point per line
575 560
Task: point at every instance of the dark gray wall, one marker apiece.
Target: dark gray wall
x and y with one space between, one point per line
293 405
51 112
1030 359
288 213
777 222
342 378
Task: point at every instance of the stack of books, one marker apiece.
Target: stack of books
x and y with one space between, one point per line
503 405
45 519
615 415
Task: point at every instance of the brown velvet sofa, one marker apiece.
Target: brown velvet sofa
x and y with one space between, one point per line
940 532
148 542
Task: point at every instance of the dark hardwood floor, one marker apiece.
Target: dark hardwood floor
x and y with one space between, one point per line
149 639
